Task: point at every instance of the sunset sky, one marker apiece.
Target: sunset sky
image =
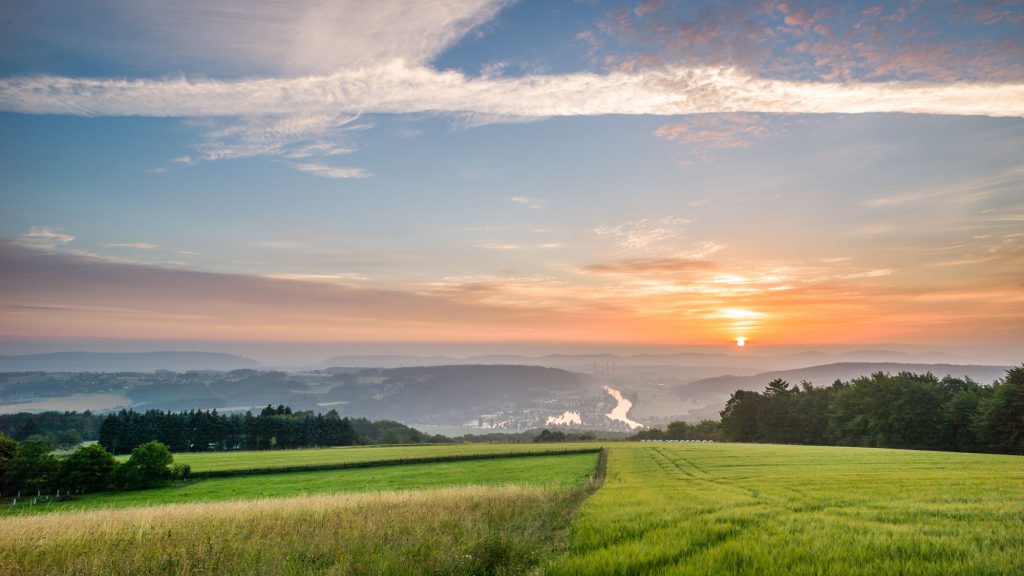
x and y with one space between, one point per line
655 173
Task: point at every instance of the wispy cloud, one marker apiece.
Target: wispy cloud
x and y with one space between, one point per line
535 203
239 38
716 130
343 279
290 136
325 171
398 88
894 40
42 289
638 266
877 272
655 238
44 238
502 246
133 245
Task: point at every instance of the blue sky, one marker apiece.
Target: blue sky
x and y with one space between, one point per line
474 170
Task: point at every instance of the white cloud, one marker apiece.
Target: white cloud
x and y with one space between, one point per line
325 171
398 87
43 238
290 136
876 273
535 203
344 279
499 246
287 79
242 38
133 245
645 235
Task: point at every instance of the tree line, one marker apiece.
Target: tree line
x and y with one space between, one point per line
30 469
60 429
546 436
274 428
903 410
680 430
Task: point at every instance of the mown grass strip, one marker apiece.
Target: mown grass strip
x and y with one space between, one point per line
233 460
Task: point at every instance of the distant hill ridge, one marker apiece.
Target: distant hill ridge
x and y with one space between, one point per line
695 359
826 374
124 362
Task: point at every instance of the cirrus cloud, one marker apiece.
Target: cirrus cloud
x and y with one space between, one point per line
400 88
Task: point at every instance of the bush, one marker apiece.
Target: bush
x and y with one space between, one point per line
181 472
148 466
89 469
32 468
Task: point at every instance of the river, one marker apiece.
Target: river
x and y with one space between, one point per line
621 410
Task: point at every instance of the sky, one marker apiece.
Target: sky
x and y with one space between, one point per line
609 174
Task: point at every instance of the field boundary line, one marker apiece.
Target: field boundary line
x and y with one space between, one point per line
392 462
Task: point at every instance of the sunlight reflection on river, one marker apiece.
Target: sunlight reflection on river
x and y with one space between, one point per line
621 409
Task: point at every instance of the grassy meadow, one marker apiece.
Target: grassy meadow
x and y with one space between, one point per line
664 508
452 531
244 460
769 509
564 471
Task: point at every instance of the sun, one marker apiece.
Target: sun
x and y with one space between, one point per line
741 342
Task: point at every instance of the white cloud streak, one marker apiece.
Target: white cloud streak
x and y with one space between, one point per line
646 235
43 238
242 38
529 202
334 172
133 245
398 88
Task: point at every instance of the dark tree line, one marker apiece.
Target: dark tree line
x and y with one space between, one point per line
704 430
560 436
201 431
29 469
904 410
60 429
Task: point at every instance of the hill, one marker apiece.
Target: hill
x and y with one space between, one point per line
453 394
124 362
741 361
713 392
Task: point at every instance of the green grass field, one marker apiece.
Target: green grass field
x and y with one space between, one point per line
568 471
765 509
663 509
243 460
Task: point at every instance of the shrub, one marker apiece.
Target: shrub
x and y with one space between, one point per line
89 469
148 466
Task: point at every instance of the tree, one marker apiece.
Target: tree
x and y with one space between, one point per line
33 467
549 436
89 468
8 448
148 466
1000 422
741 416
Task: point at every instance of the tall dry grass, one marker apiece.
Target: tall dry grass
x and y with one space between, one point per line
466 530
